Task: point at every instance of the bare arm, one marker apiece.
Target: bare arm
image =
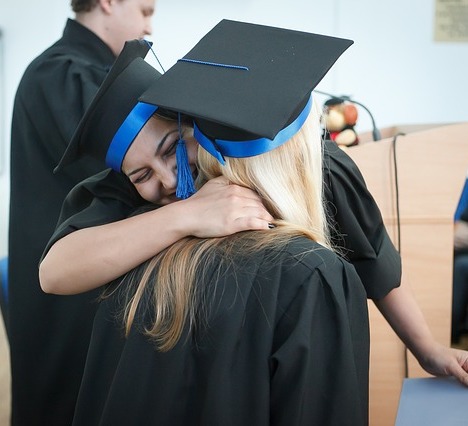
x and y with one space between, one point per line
402 312
91 257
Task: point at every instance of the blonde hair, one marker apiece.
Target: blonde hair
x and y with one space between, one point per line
289 181
289 178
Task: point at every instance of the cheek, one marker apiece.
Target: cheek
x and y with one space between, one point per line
132 24
148 191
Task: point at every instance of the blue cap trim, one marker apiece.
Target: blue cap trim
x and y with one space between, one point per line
220 148
127 133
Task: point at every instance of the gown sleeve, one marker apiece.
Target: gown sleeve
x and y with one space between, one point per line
357 226
103 198
63 87
326 325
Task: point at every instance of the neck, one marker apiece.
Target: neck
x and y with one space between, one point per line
96 21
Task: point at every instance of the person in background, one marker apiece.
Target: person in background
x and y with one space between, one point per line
48 335
460 276
264 327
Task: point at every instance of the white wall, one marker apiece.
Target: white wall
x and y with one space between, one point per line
394 68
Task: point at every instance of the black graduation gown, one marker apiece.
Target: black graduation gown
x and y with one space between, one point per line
286 343
357 226
48 334
356 222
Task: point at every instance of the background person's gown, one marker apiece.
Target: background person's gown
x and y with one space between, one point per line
48 334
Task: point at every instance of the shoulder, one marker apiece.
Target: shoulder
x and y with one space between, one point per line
61 65
345 190
107 184
103 198
339 166
273 264
302 257
306 251
60 61
305 269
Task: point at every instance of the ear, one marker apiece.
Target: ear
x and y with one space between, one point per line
106 5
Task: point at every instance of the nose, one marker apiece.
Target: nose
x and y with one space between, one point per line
168 178
148 26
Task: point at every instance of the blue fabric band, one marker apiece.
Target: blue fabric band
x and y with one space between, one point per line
127 133
240 149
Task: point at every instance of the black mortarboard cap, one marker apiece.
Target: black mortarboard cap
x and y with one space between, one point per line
115 110
246 82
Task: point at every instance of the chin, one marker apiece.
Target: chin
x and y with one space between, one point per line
167 200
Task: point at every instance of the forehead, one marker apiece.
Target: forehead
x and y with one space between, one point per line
155 134
152 133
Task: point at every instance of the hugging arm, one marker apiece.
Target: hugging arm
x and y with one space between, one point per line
86 254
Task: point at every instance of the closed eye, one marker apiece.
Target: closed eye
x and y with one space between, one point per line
159 148
171 149
141 178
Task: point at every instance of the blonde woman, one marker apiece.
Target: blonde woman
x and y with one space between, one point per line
262 327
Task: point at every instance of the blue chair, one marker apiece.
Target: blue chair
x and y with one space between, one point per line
4 291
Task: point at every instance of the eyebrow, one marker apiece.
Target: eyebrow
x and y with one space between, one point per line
158 149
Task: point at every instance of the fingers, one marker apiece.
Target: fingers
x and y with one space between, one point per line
461 367
228 214
222 187
250 223
219 209
460 374
240 215
248 210
247 218
450 362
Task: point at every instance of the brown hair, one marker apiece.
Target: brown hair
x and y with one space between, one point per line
83 5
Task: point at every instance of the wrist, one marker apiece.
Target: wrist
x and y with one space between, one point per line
179 219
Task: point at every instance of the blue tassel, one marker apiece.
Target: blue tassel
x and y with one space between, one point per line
185 184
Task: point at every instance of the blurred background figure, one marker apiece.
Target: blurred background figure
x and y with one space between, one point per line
49 335
460 271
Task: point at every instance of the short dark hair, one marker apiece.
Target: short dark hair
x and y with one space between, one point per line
83 5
